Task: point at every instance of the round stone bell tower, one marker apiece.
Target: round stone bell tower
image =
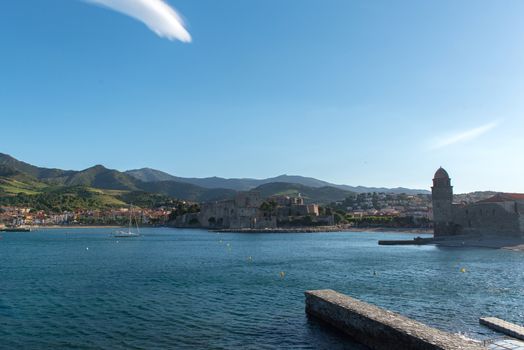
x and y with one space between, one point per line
442 197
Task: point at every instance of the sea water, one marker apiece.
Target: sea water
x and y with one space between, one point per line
174 288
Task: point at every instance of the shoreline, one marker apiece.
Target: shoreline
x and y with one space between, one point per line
56 227
328 229
391 230
313 229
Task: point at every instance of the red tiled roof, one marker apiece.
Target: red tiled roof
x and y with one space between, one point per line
504 197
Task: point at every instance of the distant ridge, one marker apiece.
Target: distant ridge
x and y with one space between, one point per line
246 184
99 184
310 194
101 177
34 171
151 175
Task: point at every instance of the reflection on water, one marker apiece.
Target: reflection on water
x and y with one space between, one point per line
191 288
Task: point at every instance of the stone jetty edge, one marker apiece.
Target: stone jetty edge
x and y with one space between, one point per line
502 326
379 328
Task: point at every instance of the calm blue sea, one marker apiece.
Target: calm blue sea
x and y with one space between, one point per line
82 289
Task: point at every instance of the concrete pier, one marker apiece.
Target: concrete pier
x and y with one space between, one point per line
502 326
378 328
415 241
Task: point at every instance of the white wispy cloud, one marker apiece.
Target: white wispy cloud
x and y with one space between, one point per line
156 14
464 136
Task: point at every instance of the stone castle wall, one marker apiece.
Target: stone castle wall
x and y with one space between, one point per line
488 219
520 209
245 212
241 212
496 217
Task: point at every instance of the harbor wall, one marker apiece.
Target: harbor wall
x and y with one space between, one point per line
378 328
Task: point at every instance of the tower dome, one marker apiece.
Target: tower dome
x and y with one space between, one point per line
441 174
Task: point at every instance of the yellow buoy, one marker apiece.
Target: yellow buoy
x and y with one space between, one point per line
463 269
282 274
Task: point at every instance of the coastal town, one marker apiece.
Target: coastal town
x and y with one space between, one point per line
13 216
246 210
249 210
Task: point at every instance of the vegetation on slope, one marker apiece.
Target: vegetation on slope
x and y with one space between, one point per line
13 182
320 195
187 191
31 170
101 177
22 180
147 200
57 200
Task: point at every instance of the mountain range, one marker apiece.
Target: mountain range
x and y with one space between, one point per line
246 184
112 186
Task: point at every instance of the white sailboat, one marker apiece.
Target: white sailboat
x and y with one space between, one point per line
128 233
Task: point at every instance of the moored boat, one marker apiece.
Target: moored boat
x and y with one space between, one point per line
128 233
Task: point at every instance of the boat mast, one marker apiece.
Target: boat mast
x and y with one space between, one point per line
130 208
137 229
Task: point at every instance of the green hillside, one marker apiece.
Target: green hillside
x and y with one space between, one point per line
13 182
92 188
187 191
98 187
12 187
320 195
145 199
63 198
97 176
31 170
151 175
24 190
101 177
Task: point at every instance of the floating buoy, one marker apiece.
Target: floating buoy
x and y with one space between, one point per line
463 270
282 274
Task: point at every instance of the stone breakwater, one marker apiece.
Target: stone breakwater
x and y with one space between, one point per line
502 326
378 328
284 230
494 242
415 241
464 241
313 229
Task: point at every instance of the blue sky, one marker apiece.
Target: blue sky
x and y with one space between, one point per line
377 93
